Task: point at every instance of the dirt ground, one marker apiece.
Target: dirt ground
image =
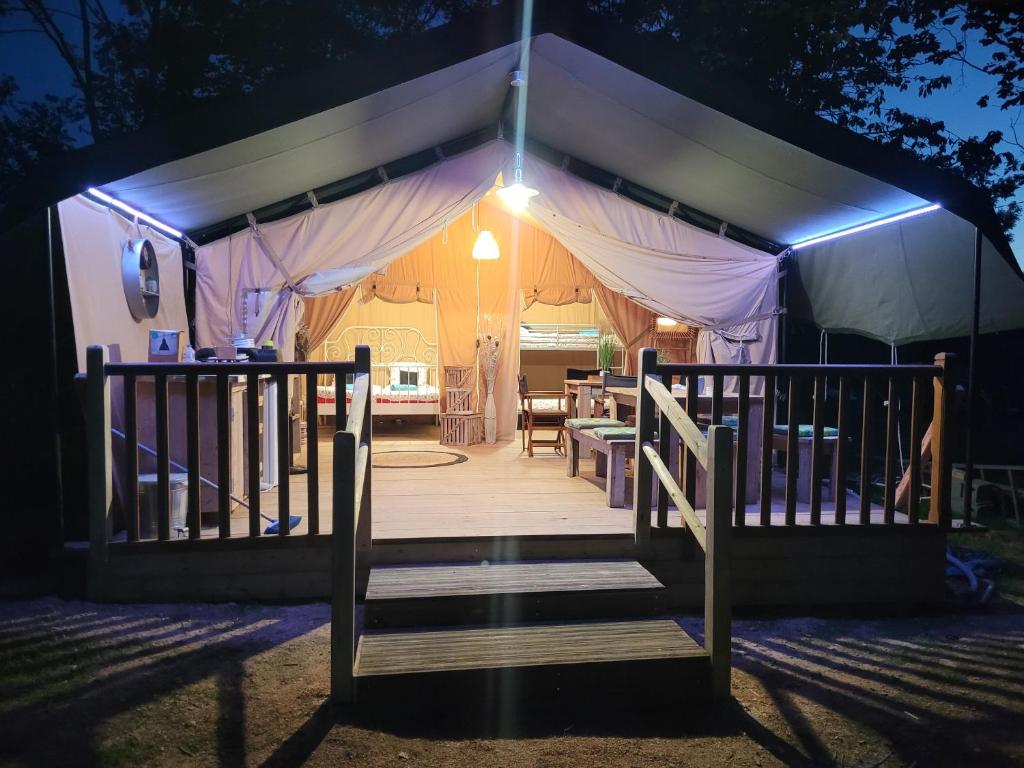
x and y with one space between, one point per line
86 684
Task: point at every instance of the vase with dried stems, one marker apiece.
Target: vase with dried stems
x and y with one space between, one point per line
489 351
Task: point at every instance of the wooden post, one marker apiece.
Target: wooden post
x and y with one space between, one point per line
313 454
817 429
364 532
646 365
252 446
100 461
284 456
192 455
839 492
940 511
891 450
742 427
343 569
717 577
767 439
131 457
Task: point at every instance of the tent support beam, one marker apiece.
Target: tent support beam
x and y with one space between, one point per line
402 166
971 373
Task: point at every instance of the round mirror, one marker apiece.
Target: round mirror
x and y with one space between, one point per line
140 275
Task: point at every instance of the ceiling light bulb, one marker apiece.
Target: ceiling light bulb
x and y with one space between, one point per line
486 247
517 196
666 322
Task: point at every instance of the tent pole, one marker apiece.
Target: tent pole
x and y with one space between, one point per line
55 420
969 448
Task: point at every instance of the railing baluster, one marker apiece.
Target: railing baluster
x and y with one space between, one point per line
865 453
642 472
252 410
916 408
742 419
792 446
839 491
192 455
163 451
889 492
665 440
340 400
131 451
767 448
223 456
313 456
284 459
817 428
690 461
716 399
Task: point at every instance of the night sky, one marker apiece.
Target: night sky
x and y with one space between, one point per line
30 58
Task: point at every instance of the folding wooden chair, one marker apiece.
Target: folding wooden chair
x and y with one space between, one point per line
542 418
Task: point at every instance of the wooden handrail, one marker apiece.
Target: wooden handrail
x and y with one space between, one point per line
689 515
680 420
360 395
787 369
230 369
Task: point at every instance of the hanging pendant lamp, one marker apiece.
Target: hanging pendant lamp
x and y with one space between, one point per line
486 247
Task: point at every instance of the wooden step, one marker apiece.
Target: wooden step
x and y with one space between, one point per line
528 661
510 592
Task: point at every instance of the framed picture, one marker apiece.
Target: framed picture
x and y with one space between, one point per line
164 346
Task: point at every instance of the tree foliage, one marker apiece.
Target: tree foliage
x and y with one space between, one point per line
131 62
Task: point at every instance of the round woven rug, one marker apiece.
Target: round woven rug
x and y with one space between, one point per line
416 459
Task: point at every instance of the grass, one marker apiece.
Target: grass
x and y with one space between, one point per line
1001 539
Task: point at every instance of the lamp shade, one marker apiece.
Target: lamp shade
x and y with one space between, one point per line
517 196
486 247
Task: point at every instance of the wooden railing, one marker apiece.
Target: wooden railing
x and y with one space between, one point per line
351 527
714 453
162 376
895 384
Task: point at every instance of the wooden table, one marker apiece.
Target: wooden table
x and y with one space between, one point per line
627 396
580 394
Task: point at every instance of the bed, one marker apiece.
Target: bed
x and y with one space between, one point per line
404 369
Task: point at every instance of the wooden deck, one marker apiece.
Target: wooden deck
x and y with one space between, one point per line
498 492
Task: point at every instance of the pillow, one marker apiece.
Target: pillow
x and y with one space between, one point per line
615 433
593 423
403 387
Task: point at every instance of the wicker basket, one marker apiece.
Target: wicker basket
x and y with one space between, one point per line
459 400
458 377
462 428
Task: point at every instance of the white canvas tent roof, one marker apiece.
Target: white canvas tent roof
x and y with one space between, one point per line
777 182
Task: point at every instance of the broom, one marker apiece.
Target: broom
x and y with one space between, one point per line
275 525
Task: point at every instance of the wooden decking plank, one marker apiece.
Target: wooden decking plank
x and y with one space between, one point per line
449 650
471 579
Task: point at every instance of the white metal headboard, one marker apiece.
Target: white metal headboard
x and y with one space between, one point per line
390 346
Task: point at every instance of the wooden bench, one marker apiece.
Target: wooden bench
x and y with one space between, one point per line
610 457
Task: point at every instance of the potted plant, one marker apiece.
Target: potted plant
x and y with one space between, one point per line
606 352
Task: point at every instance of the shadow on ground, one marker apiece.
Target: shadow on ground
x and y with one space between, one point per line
247 685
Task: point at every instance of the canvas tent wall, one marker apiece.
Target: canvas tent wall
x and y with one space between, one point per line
617 108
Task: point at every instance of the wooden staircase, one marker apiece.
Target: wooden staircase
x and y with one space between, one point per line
515 633
512 629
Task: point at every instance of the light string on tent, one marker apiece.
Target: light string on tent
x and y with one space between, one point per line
135 214
865 227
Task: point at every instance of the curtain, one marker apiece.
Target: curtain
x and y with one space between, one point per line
337 244
322 313
631 323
